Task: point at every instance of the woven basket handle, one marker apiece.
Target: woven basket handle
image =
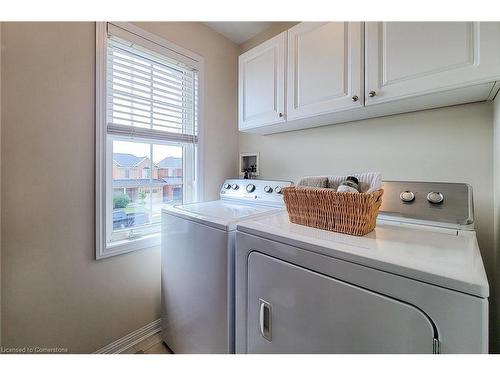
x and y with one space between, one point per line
378 194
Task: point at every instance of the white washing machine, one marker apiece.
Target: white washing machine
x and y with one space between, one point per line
198 264
416 284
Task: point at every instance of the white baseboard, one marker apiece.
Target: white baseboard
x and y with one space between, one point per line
131 339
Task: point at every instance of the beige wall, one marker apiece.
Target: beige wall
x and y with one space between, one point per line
54 292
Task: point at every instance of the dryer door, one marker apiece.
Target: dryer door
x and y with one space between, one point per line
294 310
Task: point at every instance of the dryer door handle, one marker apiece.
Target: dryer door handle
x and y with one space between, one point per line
265 319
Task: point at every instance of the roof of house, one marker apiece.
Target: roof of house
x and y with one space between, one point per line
170 162
127 160
173 180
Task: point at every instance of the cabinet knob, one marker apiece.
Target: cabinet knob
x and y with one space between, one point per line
355 98
371 94
281 114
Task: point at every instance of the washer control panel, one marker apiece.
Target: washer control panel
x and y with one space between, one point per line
262 191
439 202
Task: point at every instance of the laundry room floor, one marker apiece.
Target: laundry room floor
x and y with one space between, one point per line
150 345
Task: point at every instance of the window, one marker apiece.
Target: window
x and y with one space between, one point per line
146 135
146 172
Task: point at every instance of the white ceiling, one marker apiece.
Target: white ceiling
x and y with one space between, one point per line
239 32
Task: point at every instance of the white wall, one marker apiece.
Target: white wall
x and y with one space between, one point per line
0 184
451 144
496 221
273 30
54 293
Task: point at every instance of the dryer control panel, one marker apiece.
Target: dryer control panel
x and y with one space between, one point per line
438 203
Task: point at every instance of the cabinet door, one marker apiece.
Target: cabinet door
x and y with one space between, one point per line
262 84
325 68
294 310
405 59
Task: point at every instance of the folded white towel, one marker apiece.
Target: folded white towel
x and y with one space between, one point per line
320 182
368 182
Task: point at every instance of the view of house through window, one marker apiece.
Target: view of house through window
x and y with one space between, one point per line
145 177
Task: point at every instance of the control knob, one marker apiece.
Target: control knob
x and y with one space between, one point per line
227 186
235 187
277 189
250 188
268 189
435 197
407 196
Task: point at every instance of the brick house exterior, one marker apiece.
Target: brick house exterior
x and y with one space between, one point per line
130 171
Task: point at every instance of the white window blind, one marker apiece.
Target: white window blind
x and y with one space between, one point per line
149 95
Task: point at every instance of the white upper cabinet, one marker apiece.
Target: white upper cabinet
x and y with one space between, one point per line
325 68
408 59
262 84
321 73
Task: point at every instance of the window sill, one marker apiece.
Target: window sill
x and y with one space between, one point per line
127 246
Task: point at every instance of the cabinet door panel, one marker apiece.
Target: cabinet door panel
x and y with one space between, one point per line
262 84
405 59
295 310
324 68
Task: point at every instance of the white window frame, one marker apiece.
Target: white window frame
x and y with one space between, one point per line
164 47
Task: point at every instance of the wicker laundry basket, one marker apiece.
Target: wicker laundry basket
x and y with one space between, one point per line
349 213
